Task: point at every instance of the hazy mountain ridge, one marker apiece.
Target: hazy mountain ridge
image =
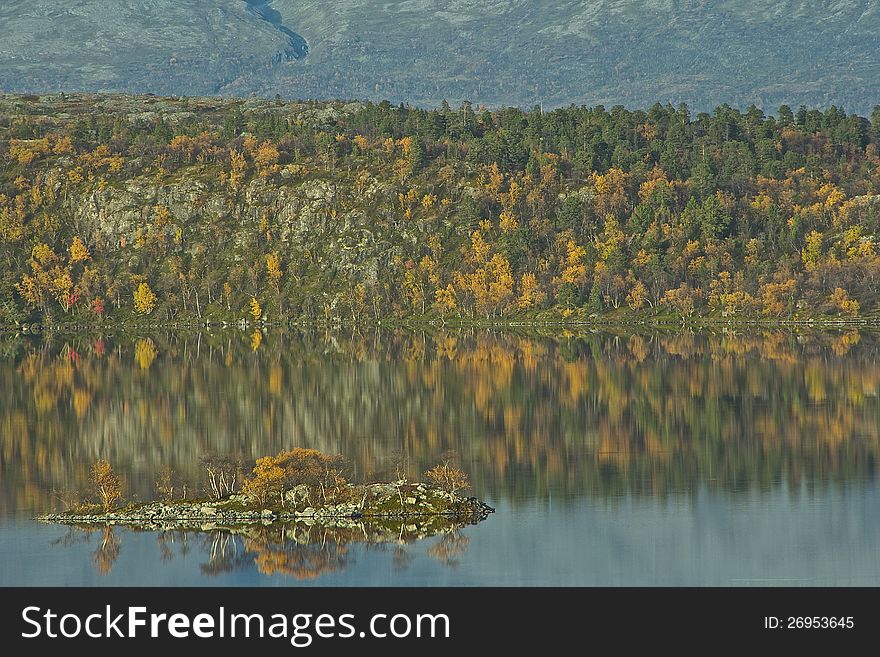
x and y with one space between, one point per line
160 46
493 52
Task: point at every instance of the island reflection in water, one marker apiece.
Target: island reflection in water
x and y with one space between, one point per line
301 551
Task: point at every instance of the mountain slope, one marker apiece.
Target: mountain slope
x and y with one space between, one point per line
159 46
422 51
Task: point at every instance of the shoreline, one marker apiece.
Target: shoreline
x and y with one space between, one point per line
39 328
392 502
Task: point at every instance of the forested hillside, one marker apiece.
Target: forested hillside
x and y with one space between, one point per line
114 207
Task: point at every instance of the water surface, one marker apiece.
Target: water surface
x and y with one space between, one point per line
666 459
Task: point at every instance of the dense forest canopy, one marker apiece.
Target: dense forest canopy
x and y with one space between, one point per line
205 208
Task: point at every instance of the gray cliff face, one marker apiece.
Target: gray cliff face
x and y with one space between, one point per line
300 212
492 52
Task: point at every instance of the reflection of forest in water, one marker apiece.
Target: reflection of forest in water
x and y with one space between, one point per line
597 414
295 550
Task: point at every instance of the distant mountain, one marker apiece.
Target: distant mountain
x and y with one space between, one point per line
492 52
160 46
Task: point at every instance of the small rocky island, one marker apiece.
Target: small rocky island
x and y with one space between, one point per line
379 501
299 486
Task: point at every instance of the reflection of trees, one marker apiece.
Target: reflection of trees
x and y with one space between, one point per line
307 552
224 554
297 550
74 536
298 555
401 558
171 540
449 548
600 414
108 551
105 555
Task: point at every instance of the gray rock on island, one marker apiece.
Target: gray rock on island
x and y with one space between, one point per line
376 502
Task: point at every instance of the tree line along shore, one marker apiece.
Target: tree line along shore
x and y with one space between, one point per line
128 210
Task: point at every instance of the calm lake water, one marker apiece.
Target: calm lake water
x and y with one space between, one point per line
667 459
